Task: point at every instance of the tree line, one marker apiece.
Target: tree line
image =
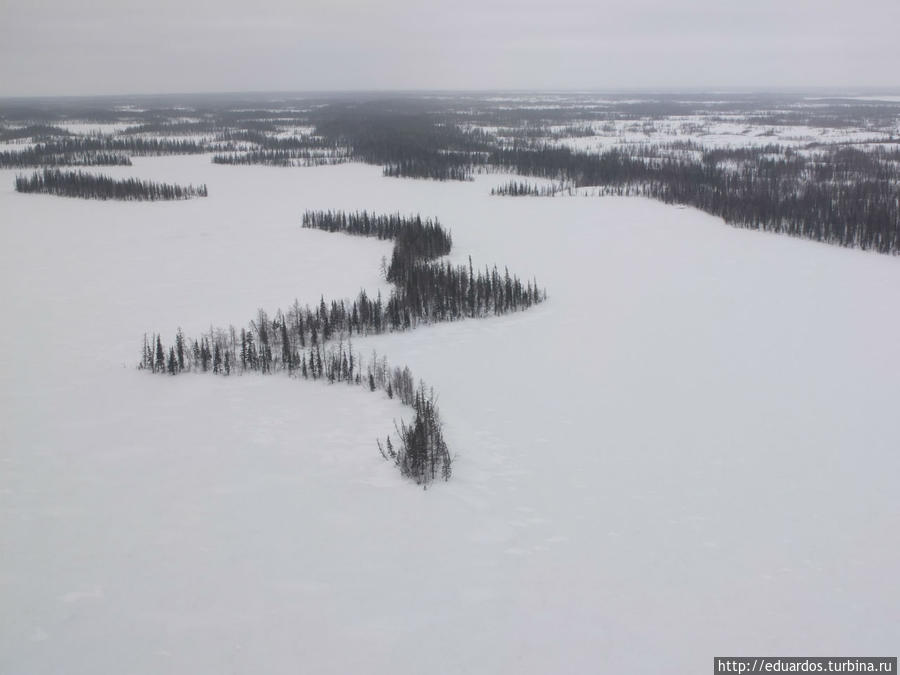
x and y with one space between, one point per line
435 168
281 157
37 157
268 141
91 186
33 131
839 196
133 145
96 151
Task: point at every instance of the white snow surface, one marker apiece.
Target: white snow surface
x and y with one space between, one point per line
691 450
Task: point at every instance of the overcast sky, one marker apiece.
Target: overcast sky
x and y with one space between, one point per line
74 47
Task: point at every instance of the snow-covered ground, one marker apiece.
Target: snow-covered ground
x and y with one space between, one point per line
715 134
706 131
690 451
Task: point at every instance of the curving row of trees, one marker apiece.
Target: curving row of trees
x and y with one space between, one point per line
316 343
419 450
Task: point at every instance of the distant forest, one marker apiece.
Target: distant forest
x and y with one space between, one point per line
843 196
316 343
845 193
834 194
91 186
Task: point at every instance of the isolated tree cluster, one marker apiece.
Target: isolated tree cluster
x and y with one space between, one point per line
91 186
440 169
261 140
421 452
516 188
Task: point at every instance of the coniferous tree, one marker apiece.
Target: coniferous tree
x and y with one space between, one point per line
160 357
179 349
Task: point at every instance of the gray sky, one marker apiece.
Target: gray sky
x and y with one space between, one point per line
119 46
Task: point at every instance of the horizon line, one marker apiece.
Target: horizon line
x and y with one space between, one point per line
835 91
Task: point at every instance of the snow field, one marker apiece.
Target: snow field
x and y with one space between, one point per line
689 451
